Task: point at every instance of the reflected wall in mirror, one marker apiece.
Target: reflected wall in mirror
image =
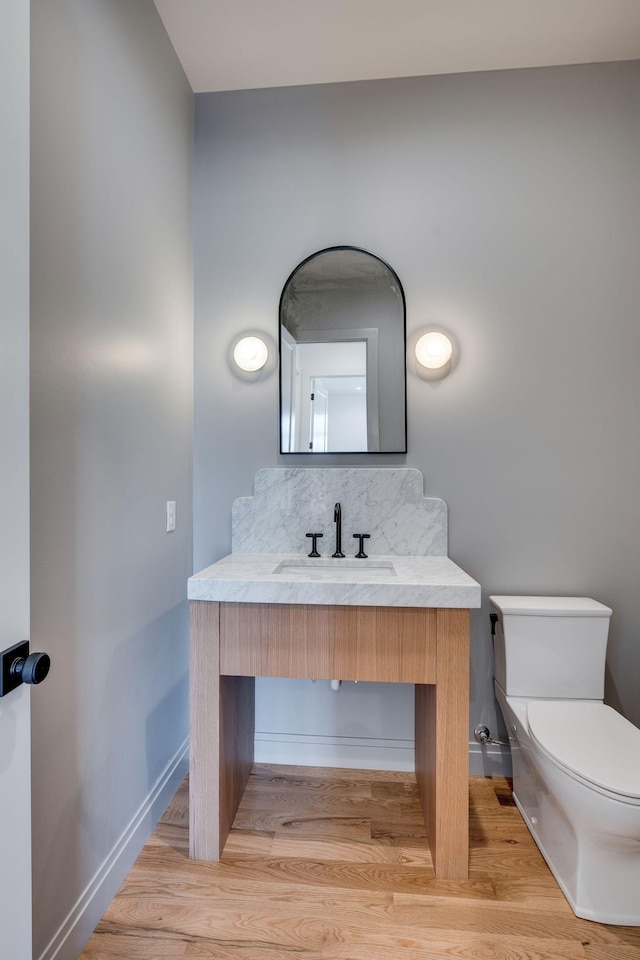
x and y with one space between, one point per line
342 356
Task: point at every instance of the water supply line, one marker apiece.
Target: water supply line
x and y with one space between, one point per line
483 736
482 732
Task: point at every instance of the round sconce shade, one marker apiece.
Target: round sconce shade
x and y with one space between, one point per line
433 350
250 354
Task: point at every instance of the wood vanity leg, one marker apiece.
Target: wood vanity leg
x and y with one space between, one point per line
442 748
222 724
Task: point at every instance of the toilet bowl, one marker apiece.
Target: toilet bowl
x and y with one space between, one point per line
576 761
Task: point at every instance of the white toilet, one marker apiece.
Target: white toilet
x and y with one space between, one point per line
576 762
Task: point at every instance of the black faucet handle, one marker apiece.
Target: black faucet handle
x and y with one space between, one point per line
314 545
361 555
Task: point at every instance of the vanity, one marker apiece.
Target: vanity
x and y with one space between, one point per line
399 615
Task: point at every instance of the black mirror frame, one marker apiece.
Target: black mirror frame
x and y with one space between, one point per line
310 453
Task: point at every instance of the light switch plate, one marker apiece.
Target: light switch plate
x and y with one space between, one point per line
171 516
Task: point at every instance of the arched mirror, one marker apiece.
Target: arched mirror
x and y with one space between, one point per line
342 356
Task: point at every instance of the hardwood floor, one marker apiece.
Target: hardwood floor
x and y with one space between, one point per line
325 864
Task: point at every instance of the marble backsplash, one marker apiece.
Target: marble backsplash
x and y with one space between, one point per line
388 503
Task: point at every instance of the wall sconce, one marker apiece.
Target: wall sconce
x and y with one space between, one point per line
433 350
250 354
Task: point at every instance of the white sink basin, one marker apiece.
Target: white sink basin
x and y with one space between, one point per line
328 568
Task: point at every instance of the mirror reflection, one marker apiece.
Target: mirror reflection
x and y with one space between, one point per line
342 356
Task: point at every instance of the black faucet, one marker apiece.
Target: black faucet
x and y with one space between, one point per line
337 518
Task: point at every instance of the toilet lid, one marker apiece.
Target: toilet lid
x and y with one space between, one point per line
593 741
550 607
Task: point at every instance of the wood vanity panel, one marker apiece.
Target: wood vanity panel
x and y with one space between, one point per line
237 731
222 722
382 644
204 667
397 644
275 640
442 749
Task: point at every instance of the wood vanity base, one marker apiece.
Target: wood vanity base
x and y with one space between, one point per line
232 643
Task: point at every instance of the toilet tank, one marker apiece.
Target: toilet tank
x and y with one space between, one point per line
551 647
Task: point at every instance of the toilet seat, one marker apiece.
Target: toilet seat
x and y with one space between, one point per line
593 742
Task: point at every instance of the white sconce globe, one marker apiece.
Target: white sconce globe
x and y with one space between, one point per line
250 354
433 350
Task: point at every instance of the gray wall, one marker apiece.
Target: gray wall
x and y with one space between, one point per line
14 320
112 143
15 813
509 205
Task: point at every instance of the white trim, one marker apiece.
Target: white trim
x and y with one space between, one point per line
356 753
489 761
368 335
366 753
69 940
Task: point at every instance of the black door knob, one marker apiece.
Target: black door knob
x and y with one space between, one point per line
33 669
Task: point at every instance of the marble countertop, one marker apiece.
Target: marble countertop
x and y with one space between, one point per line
385 581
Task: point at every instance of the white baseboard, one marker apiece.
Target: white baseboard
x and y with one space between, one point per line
489 761
73 933
356 753
367 753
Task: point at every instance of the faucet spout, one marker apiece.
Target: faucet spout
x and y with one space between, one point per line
337 519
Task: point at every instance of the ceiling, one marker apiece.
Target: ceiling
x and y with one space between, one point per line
239 44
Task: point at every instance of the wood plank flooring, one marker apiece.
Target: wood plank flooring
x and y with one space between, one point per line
325 864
